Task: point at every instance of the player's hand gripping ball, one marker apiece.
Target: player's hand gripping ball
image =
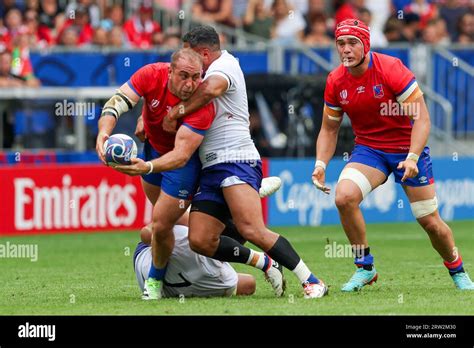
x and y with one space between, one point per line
119 149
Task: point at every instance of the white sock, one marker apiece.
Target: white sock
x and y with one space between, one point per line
302 271
256 259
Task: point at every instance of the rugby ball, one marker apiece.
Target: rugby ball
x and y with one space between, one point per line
119 149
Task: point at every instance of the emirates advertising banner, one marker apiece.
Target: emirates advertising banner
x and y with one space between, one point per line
54 198
298 202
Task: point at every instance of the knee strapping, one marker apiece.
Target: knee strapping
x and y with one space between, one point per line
424 208
357 177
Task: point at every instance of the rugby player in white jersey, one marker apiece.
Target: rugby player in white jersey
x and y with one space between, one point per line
189 274
232 171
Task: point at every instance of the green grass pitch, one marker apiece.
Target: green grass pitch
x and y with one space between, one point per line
91 274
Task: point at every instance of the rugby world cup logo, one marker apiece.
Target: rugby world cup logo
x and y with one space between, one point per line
343 95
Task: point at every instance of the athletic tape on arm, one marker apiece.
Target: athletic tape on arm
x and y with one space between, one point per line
118 104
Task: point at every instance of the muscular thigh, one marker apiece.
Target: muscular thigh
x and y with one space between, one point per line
374 176
419 193
244 205
204 228
152 192
168 209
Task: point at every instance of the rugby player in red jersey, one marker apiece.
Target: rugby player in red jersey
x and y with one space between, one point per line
170 166
365 86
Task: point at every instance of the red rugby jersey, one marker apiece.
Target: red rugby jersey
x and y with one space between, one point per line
150 82
372 102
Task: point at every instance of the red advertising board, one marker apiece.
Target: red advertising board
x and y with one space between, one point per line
54 198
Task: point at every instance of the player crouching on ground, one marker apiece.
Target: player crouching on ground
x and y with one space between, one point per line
189 274
362 87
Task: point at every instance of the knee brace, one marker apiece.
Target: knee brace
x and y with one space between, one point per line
358 178
424 208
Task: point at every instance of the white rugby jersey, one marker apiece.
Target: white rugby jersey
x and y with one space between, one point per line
188 273
228 139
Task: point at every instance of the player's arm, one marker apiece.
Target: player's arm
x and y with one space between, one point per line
212 87
122 101
186 143
326 144
419 135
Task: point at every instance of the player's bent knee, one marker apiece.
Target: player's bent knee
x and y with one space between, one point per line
358 178
145 234
346 200
202 246
424 208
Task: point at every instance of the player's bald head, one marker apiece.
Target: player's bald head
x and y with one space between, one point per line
187 55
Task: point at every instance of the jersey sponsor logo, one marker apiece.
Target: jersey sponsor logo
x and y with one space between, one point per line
378 91
343 95
360 89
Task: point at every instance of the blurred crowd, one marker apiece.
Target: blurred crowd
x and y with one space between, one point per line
135 24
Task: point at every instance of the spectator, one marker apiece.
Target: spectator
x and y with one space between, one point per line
258 20
346 9
13 22
113 17
435 33
41 33
22 66
451 11
100 38
318 33
80 23
7 79
174 5
51 16
7 5
92 10
393 30
286 27
425 10
377 38
172 41
141 27
116 38
32 5
466 29
69 37
315 8
411 27
217 11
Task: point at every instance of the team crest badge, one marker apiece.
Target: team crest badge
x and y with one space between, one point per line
378 91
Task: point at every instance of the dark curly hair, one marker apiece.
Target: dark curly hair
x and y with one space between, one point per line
203 35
